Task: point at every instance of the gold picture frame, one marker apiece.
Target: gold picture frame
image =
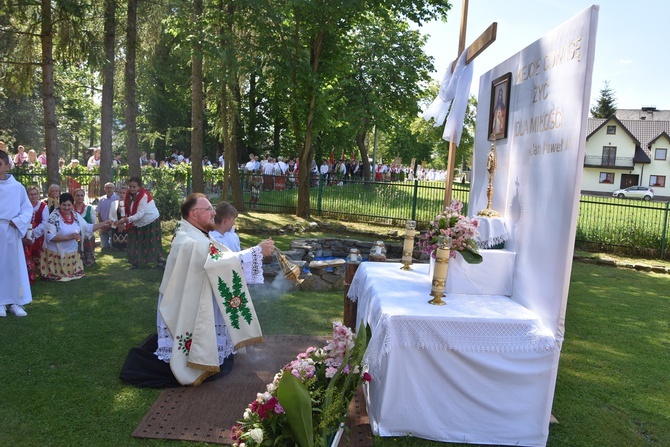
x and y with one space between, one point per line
499 111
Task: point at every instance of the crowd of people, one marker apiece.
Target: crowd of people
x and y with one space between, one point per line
206 272
55 239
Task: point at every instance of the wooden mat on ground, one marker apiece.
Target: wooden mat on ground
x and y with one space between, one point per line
206 413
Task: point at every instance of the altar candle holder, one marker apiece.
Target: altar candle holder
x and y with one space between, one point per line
408 244
440 273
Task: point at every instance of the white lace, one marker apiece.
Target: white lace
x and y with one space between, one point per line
390 300
492 232
251 261
223 340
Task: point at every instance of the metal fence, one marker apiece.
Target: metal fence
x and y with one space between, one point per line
607 224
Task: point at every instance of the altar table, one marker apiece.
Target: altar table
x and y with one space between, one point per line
480 369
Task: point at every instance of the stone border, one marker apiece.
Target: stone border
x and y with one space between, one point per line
620 264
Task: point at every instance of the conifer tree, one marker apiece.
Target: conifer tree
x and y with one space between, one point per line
606 105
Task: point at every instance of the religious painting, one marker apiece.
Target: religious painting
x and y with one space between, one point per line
499 112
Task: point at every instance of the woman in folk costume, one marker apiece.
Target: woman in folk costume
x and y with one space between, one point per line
33 245
15 214
53 193
143 224
64 232
87 248
117 212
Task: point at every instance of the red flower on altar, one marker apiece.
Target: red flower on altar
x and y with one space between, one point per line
187 345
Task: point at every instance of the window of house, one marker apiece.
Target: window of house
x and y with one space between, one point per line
657 180
609 156
607 177
611 130
660 154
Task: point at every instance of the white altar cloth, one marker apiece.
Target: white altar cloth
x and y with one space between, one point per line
492 232
480 369
494 276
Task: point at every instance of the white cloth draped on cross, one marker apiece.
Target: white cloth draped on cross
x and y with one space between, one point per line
454 92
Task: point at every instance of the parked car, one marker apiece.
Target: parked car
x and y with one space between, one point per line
635 192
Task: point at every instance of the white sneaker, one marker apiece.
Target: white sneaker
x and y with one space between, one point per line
17 310
3 311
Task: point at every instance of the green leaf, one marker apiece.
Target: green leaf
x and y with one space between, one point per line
471 257
294 396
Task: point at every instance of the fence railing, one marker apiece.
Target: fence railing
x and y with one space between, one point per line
605 224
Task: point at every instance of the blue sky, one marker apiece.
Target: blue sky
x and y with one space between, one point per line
631 45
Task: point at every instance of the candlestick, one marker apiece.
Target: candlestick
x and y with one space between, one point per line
408 245
440 273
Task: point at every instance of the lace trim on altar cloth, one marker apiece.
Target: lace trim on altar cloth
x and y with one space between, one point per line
223 342
491 242
465 336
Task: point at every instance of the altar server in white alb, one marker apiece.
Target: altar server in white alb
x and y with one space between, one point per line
15 216
205 312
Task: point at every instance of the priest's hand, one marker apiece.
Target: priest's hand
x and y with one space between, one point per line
267 247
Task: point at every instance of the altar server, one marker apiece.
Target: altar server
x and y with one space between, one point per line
15 215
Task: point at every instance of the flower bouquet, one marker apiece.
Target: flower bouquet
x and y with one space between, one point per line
459 229
308 399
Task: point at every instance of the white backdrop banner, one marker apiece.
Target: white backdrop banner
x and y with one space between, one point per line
540 161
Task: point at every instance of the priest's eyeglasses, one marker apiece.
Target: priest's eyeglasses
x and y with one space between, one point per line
210 209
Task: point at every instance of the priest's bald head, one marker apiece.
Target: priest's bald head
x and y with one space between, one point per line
198 211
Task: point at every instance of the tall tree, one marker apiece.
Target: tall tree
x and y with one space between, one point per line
606 104
196 99
107 117
389 70
316 31
130 90
48 95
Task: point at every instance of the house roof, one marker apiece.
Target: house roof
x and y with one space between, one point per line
645 113
643 132
662 134
617 121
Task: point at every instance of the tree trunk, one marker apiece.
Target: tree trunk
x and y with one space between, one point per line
131 101
107 97
306 154
360 142
48 98
197 103
229 110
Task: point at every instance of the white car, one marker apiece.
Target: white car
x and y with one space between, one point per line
635 192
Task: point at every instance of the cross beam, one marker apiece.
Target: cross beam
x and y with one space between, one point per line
474 50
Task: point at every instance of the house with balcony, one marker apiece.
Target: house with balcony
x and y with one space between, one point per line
628 149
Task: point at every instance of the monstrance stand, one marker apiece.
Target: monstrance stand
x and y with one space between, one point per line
491 167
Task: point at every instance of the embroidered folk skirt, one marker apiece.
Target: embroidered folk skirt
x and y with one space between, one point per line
119 239
144 244
55 268
88 255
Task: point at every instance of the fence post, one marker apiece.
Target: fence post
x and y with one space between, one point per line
319 195
665 227
415 197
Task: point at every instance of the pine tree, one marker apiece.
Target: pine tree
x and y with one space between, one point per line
606 105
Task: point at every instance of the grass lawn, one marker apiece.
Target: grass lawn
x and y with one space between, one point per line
60 364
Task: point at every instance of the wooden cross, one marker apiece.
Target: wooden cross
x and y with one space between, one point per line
474 50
